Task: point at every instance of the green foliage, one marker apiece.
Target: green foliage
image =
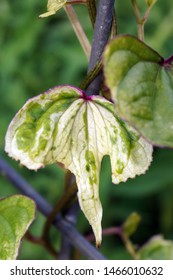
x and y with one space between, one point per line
16 214
60 126
39 54
141 84
131 224
157 249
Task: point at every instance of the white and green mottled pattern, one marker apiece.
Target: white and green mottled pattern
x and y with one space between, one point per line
16 214
53 6
64 125
141 84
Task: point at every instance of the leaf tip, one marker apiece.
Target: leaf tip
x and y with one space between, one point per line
47 14
98 235
98 244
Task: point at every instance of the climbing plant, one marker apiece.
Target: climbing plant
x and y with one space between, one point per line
122 109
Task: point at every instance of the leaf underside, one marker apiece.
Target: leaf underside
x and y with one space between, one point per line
63 125
16 214
53 6
141 84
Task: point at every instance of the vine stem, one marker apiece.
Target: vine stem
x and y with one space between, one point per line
114 30
136 9
39 241
106 231
78 30
92 10
141 31
130 247
91 75
91 5
73 2
119 232
66 198
102 30
141 20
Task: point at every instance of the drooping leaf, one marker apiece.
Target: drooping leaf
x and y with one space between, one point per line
141 84
16 214
53 6
157 248
64 125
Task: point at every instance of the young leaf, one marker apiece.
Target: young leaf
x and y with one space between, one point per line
64 125
157 248
53 6
131 224
141 84
16 214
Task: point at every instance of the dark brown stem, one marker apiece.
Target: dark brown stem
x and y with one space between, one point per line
33 239
70 193
73 2
39 241
106 231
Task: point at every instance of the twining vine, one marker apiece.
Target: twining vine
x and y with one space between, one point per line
76 127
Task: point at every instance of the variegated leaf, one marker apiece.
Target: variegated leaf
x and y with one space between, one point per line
64 125
53 6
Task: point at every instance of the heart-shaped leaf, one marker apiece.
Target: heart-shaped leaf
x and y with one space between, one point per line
157 248
64 125
141 84
16 214
53 6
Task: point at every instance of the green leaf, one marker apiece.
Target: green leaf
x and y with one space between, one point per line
64 125
157 248
16 214
141 84
131 224
53 6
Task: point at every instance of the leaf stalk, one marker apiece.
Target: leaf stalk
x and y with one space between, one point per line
92 10
78 30
141 20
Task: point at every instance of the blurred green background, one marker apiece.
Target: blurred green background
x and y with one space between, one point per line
36 55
